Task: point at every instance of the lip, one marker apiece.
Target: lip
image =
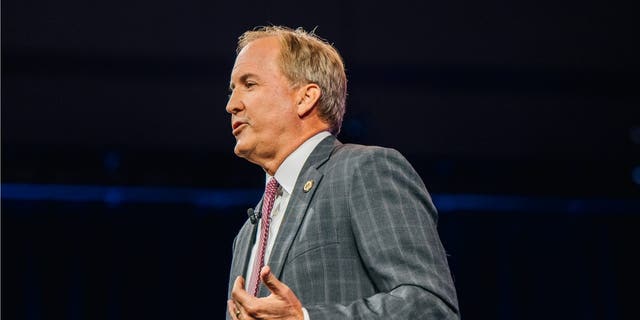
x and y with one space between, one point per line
237 126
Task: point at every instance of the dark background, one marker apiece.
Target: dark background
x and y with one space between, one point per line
522 118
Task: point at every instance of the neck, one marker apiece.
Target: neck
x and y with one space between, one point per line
271 165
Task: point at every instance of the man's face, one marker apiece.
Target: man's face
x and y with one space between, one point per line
262 102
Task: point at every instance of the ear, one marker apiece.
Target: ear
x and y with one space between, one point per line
308 96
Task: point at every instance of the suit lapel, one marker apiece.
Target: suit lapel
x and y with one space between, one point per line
298 204
243 247
244 242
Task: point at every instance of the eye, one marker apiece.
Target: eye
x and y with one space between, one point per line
249 84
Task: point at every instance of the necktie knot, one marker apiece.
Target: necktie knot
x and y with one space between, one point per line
270 194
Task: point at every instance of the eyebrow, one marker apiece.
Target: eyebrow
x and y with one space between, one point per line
242 79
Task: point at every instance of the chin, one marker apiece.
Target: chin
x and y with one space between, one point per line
240 150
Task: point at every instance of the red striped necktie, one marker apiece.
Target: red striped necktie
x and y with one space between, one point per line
258 262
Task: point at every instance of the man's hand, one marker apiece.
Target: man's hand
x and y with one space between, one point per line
282 303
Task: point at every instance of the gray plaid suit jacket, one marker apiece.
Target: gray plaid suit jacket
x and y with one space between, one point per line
362 243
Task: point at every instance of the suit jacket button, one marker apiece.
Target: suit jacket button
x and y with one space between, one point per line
308 186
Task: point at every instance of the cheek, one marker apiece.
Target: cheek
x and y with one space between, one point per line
284 105
270 109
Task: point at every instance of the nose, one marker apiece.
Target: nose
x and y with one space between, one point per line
233 104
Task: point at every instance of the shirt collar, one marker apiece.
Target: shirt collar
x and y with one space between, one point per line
288 172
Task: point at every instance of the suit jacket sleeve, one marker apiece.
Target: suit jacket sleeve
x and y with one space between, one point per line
394 223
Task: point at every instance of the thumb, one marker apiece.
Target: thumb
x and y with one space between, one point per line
239 282
274 285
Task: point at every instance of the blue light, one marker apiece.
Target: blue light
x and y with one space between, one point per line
113 197
116 195
225 198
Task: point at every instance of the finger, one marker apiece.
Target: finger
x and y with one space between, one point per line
274 285
231 308
239 294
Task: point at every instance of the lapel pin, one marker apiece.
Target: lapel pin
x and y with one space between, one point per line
308 186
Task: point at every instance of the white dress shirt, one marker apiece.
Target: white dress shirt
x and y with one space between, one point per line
286 175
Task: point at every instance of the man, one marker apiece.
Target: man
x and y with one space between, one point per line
347 231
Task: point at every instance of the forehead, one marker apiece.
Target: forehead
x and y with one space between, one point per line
258 55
